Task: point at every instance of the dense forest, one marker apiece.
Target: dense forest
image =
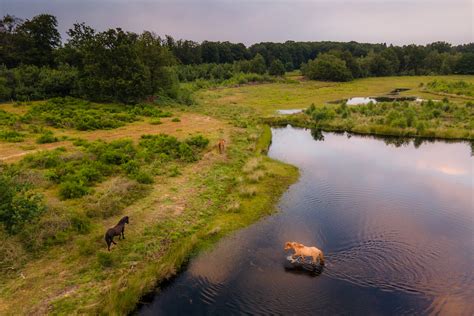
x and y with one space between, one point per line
116 65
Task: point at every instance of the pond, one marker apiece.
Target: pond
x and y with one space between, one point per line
360 100
395 221
290 111
388 98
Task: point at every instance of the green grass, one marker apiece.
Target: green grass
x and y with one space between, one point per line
458 87
267 98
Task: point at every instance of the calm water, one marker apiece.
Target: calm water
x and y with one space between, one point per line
360 100
396 225
290 111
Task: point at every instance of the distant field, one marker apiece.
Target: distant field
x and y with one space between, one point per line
267 98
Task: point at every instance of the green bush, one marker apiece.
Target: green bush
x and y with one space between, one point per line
72 189
197 141
18 205
143 177
46 137
44 159
78 114
12 136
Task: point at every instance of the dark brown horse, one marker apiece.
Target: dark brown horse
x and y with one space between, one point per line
117 230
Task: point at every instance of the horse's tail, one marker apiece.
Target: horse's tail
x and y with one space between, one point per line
321 258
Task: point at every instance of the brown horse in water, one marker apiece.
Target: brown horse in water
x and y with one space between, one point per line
117 230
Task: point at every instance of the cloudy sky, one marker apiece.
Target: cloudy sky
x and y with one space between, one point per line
251 21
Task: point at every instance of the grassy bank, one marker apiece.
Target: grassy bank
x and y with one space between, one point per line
57 257
407 119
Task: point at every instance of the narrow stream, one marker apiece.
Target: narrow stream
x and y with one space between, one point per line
396 225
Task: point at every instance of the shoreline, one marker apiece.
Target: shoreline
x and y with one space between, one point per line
154 275
299 121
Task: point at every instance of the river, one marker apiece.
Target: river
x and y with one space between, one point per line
394 219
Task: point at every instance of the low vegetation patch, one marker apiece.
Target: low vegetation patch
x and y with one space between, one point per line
84 115
426 119
459 87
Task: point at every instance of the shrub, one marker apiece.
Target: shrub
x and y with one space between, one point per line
143 177
12 252
113 197
186 153
72 189
46 137
197 141
81 115
11 136
17 204
44 159
175 119
156 122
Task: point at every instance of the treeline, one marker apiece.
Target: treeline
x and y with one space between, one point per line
115 65
378 59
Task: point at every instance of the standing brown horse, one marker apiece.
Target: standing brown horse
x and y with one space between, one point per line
117 230
221 146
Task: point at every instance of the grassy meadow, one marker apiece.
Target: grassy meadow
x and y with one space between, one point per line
70 169
158 165
454 119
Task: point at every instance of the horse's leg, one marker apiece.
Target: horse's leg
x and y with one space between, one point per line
321 259
123 230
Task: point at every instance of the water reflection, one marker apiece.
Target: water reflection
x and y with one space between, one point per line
395 222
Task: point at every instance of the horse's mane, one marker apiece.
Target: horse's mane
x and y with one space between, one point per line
123 220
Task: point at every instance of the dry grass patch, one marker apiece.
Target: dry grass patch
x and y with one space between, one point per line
252 164
256 176
248 191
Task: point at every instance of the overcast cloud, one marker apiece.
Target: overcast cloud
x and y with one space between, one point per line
375 21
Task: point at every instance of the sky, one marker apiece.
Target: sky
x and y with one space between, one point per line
396 22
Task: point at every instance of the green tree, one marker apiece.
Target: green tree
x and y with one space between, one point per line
327 67
37 40
156 57
112 69
465 65
257 65
379 66
276 68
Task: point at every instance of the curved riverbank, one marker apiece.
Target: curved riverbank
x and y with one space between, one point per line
227 215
